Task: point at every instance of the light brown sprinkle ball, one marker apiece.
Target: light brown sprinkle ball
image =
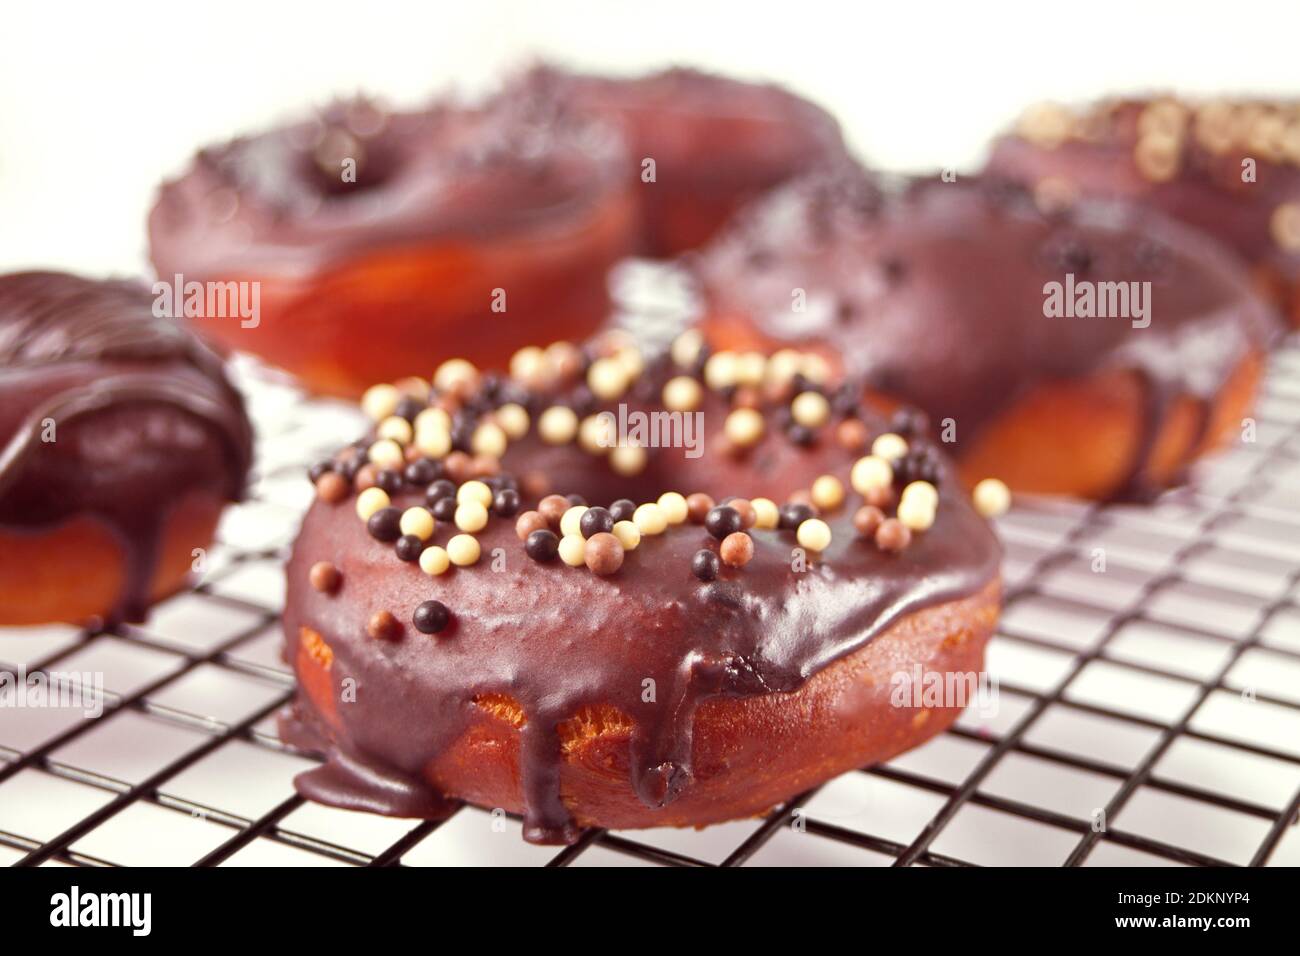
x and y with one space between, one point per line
324 577
365 477
745 508
382 626
552 508
331 487
881 496
464 550
810 409
766 514
814 534
604 553
991 498
528 522
459 465
867 520
892 536
851 435
737 549
743 427
698 507
827 493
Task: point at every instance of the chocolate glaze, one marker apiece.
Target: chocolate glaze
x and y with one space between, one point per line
276 202
717 142
937 296
557 639
1207 192
143 415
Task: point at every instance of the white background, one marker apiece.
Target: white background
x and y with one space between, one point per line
99 101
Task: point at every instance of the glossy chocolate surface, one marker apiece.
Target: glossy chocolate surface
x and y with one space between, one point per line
556 639
278 204
937 297
139 411
1207 190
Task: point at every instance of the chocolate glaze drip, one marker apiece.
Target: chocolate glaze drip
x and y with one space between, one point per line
277 202
142 414
557 640
937 296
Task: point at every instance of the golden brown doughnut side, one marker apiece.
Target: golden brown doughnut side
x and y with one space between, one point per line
749 753
75 572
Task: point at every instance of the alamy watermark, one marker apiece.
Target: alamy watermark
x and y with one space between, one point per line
179 299
919 688
656 429
70 690
1098 300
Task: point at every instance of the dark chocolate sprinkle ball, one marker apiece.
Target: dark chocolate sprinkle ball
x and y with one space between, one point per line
440 489
408 547
409 407
622 510
595 521
444 509
917 465
506 502
794 514
542 545
801 435
705 565
722 521
319 469
390 481
385 524
423 471
575 499
431 617
908 422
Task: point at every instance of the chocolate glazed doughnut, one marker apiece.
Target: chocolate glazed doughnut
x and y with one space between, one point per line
460 631
1231 169
966 300
384 241
120 440
716 142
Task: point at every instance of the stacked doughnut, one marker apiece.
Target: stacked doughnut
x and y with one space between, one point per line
511 593
120 441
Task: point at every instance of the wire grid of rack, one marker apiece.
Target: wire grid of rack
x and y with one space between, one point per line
1148 666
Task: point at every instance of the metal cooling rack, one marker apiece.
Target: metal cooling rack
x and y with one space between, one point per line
1161 695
